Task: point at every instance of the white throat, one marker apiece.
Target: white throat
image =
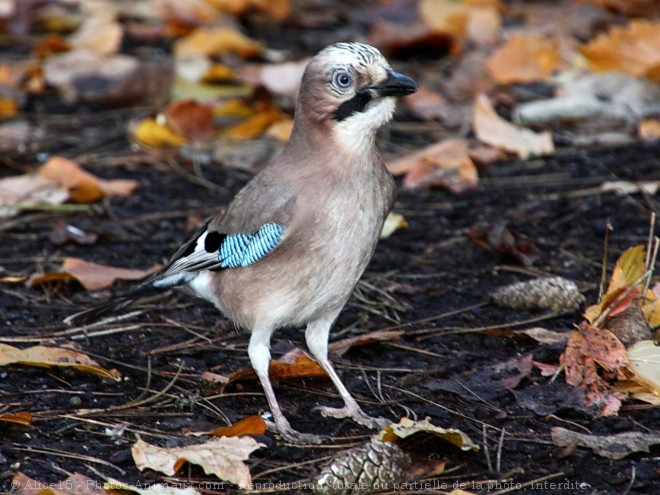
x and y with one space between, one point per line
356 133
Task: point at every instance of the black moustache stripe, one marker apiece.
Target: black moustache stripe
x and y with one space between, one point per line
349 107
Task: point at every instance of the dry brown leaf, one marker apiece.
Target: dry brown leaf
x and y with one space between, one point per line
524 59
190 118
340 347
252 425
586 348
218 41
445 164
493 130
222 457
302 367
633 49
282 80
28 190
615 446
498 239
48 357
82 186
92 276
406 427
477 22
426 104
99 32
21 418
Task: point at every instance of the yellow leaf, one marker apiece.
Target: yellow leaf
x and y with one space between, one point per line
8 107
150 133
222 457
649 129
256 125
48 357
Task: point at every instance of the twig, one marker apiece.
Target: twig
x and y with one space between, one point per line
486 449
611 306
498 456
61 453
603 273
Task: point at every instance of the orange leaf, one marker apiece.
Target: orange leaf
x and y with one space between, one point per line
20 418
252 425
446 164
633 49
302 367
524 59
583 350
256 125
218 41
649 129
8 107
340 347
92 276
83 187
493 130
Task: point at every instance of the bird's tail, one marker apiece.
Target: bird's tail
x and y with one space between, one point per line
119 302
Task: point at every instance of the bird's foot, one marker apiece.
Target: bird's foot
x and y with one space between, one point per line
294 436
355 413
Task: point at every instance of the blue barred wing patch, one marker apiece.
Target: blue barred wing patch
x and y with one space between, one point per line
245 249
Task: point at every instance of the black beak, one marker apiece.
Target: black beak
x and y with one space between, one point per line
396 84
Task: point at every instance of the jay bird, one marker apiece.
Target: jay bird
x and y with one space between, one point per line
293 243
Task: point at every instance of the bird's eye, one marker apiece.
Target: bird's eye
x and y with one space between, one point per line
343 79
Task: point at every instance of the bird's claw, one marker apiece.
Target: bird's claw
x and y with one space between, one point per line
294 436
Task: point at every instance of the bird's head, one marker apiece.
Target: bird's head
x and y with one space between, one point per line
351 88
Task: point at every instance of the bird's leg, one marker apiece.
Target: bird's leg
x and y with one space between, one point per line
259 352
316 336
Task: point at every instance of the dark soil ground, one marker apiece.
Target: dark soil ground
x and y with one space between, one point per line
428 279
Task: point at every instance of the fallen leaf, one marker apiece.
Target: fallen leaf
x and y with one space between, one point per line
488 382
525 59
216 41
82 186
406 427
630 266
633 49
190 118
152 134
302 367
99 32
48 357
446 164
393 222
498 239
281 80
460 20
613 446
632 7
493 130
546 369
341 347
252 425
277 9
28 190
644 363
92 276
586 348
280 129
19 418
222 457
255 125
